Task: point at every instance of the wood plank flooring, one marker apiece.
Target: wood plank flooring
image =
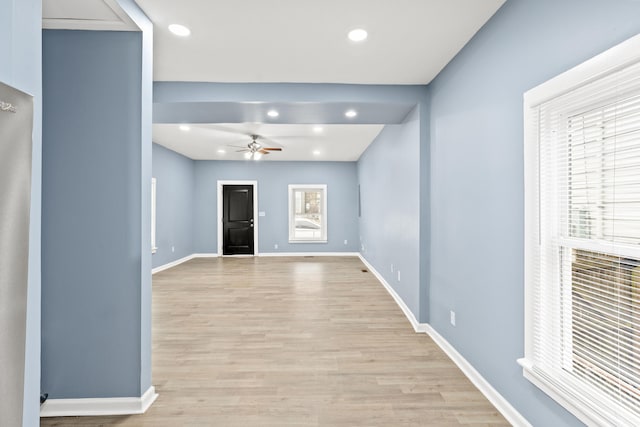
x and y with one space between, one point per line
310 341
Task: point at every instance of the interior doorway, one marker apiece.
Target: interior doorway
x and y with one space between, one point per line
237 218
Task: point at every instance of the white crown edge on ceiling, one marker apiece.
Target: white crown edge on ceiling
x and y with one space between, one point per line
123 23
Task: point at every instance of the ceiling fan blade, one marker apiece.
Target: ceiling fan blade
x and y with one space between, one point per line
263 151
270 141
242 151
237 146
271 149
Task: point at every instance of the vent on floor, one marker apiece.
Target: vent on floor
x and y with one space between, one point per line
364 270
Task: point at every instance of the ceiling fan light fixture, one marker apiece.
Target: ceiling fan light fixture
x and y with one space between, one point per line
254 150
179 30
358 35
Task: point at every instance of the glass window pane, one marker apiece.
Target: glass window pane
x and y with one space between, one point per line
308 214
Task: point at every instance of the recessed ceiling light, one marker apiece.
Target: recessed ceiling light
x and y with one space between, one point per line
358 35
221 151
272 113
318 129
316 152
185 128
179 30
351 113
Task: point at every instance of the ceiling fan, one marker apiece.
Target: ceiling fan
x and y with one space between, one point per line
254 149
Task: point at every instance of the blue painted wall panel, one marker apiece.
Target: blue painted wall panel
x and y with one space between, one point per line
179 92
175 184
389 177
91 244
477 178
273 180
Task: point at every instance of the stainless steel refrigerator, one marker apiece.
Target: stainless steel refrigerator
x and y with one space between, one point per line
16 128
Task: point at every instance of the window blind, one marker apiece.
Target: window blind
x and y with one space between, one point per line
584 336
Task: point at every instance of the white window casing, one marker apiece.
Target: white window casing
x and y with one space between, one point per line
308 213
582 237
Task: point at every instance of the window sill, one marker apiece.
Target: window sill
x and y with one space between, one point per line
588 414
308 241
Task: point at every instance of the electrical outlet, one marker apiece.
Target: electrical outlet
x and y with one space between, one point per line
345 241
398 275
392 268
275 246
173 248
362 248
452 315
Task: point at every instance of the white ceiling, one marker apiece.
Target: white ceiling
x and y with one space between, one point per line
410 42
298 142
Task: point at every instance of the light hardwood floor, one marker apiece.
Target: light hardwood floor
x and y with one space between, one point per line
311 341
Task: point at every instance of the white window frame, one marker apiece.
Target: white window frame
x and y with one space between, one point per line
154 248
313 187
619 57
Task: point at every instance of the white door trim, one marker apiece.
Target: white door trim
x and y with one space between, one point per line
254 184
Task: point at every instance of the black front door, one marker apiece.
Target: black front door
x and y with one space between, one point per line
237 220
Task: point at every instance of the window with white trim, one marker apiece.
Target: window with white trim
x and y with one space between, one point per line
307 213
582 237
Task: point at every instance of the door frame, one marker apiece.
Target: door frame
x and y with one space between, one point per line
254 184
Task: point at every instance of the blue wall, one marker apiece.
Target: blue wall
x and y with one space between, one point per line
389 177
273 180
21 53
175 183
477 177
92 210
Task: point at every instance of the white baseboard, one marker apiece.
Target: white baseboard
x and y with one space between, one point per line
99 406
501 404
303 254
171 264
417 326
181 260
